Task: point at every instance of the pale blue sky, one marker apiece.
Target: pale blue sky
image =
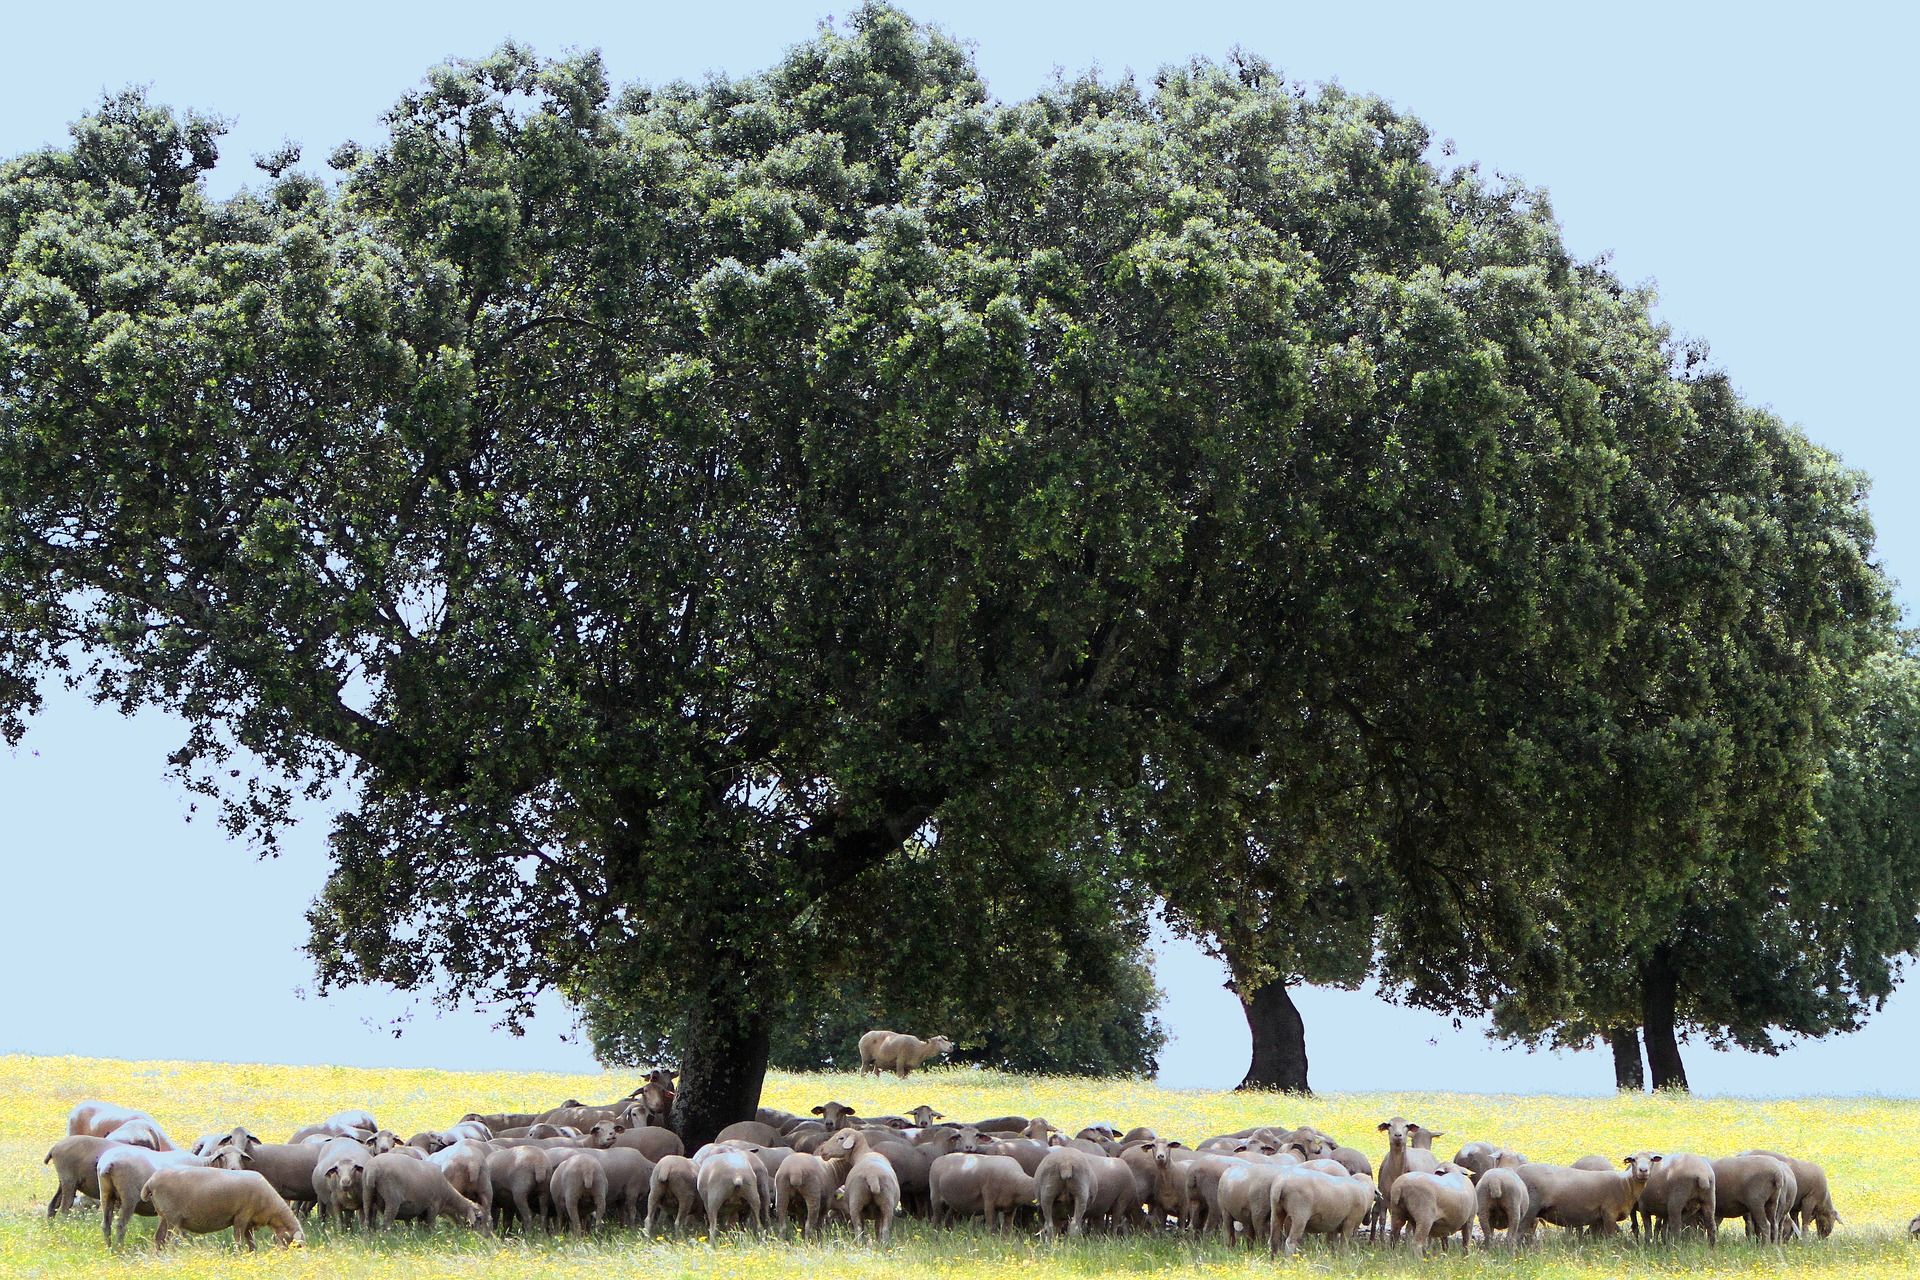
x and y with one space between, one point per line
1758 164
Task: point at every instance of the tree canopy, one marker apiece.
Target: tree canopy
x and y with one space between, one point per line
716 530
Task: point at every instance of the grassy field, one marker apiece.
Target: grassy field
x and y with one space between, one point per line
1867 1146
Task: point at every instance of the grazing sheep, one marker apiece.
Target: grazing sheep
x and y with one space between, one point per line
579 1183
870 1045
402 1187
810 1179
873 1187
1584 1198
124 1172
74 1159
733 1183
901 1054
201 1200
288 1167
992 1186
675 1185
1064 1174
1437 1202
1759 1189
339 1178
1501 1203
1813 1204
1323 1204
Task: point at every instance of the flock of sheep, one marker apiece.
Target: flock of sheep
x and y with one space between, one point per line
576 1167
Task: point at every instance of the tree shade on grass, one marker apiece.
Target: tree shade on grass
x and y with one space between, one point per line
711 528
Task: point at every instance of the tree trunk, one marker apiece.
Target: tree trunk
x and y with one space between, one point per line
1628 1072
723 1066
1659 988
1279 1040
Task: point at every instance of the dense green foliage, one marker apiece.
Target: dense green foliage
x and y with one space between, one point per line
722 530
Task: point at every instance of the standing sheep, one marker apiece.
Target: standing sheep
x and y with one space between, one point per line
578 1190
200 1201
1501 1201
675 1186
871 1187
1437 1203
810 1180
902 1054
733 1183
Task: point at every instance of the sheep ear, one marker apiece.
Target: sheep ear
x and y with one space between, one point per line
1382 1126
819 1111
1436 1133
1176 1143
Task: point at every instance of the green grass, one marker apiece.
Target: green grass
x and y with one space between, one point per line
1866 1145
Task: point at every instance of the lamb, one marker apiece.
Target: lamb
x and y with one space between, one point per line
398 1186
201 1200
733 1182
810 1179
73 1159
675 1184
1584 1198
1501 1202
1760 1189
871 1187
992 1186
579 1183
1679 1193
1064 1174
1437 1203
1326 1204
902 1054
1813 1206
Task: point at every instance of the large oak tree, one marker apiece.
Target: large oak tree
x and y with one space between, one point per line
666 520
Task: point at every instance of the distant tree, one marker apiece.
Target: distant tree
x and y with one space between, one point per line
711 528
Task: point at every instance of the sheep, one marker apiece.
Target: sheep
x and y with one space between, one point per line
519 1176
73 1159
1243 1195
579 1183
836 1115
1500 1200
1157 1163
901 1054
99 1119
1064 1174
923 1116
1593 1164
1679 1193
870 1045
652 1142
1117 1193
629 1180
201 1200
124 1172
675 1184
339 1177
1913 1228
992 1186
733 1182
141 1133
872 1186
398 1186
1760 1189
1437 1202
809 1178
1475 1157
1002 1124
753 1131
1404 1154
1584 1198
1200 1190
1813 1205
912 1164
288 1167
1323 1203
